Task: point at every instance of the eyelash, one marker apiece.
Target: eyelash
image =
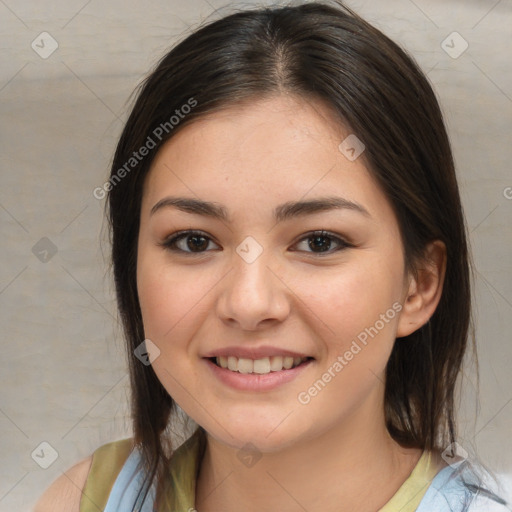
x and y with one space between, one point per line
170 243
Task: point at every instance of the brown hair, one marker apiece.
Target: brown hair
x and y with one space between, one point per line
320 52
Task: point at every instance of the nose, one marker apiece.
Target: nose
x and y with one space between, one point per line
253 295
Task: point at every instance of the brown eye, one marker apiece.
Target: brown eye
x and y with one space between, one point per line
322 241
188 242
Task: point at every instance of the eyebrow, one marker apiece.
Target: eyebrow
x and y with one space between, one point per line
285 211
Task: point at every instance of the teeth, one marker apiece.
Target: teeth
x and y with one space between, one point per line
259 366
262 365
245 365
287 362
232 363
276 363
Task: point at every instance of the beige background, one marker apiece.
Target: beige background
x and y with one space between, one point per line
62 366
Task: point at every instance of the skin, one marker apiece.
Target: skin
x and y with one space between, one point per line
65 493
333 453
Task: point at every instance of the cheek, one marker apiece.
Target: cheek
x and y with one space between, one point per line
156 300
356 316
163 298
171 309
174 301
360 303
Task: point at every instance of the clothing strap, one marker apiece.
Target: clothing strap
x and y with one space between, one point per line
107 462
411 492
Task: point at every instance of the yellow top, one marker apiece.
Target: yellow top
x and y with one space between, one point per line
107 462
411 492
109 459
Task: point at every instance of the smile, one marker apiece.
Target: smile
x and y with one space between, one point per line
260 366
257 375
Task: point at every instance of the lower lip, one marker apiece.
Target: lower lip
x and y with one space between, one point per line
254 381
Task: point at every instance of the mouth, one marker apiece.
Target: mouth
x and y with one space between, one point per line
262 366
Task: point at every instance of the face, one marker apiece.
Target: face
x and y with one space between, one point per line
236 273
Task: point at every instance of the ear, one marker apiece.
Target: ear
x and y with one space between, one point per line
424 290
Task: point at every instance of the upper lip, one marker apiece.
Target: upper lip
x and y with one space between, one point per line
253 353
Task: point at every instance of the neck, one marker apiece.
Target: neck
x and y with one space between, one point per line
355 466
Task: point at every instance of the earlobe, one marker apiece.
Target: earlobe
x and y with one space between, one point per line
424 290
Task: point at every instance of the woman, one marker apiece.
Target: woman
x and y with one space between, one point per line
291 269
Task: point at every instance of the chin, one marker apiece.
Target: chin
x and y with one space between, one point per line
268 434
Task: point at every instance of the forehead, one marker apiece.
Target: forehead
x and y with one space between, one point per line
267 151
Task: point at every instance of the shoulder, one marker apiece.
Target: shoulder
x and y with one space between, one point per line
463 488
65 493
92 478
